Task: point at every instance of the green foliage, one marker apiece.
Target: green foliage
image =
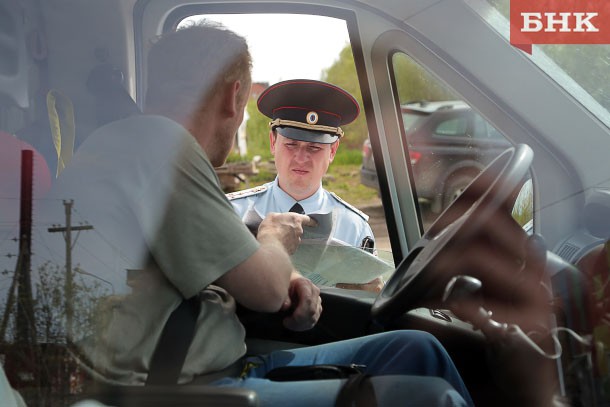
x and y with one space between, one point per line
414 83
344 180
257 129
347 156
234 157
262 177
342 73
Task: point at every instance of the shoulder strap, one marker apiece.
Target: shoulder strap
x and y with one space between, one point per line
246 192
176 337
350 206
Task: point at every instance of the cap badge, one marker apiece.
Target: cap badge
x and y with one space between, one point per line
312 117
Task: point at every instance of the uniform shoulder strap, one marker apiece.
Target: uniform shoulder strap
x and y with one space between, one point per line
350 207
246 192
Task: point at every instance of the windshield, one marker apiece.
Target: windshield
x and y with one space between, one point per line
580 69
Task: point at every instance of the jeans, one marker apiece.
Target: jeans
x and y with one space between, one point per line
410 368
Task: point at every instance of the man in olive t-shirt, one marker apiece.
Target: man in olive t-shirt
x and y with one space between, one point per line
147 185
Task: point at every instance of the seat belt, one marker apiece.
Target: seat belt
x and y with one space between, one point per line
358 391
169 356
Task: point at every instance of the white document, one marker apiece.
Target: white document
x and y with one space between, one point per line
327 261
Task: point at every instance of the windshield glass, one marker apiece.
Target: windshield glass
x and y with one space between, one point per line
350 246
581 69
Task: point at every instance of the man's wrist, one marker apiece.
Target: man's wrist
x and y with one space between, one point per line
270 240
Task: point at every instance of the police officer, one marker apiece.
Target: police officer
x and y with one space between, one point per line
304 137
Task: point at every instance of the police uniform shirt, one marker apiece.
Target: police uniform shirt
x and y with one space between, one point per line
351 224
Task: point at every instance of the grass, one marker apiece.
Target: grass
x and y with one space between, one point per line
344 180
347 157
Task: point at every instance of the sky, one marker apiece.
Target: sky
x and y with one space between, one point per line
288 46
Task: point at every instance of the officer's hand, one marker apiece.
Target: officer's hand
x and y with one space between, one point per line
285 227
303 304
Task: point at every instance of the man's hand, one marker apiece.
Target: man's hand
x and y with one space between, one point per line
287 228
303 304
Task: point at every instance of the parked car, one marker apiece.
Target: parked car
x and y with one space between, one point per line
449 144
553 105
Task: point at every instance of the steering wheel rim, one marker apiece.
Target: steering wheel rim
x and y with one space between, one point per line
407 287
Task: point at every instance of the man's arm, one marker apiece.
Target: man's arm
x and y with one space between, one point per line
262 281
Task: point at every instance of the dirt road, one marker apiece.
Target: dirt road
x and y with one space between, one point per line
378 224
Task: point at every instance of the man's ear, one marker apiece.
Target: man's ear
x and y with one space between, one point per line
230 101
333 150
272 140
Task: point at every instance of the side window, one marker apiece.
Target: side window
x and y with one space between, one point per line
445 166
252 164
484 130
492 132
452 127
480 127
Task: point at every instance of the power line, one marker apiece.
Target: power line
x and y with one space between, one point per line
44 244
110 244
93 255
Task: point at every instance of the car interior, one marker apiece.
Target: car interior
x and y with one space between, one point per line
68 67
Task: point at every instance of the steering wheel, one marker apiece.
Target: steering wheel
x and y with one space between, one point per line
493 190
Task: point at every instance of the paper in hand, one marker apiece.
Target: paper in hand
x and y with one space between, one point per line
252 220
325 260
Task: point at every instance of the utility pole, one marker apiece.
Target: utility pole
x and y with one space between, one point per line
24 324
67 232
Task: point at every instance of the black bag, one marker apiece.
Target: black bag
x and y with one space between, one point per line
313 372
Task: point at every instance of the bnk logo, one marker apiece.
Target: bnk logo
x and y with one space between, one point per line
559 22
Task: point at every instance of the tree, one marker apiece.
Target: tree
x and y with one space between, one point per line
257 130
48 361
413 82
342 73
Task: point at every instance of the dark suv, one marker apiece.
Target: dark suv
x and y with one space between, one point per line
449 144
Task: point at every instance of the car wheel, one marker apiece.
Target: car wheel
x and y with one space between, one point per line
455 185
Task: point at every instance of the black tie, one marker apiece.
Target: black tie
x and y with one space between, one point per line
297 208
